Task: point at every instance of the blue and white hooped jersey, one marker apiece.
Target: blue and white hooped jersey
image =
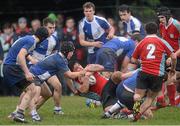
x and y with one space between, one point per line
120 45
46 48
134 25
27 42
94 30
50 66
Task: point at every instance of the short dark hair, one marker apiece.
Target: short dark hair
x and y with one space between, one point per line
163 11
41 33
71 64
48 20
67 47
124 7
89 5
151 28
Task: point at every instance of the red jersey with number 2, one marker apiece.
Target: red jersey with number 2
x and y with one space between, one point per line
151 52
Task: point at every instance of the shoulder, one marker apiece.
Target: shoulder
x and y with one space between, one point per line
135 20
98 18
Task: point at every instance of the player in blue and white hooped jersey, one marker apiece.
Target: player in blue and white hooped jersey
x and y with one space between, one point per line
108 53
93 31
15 68
46 48
42 71
131 24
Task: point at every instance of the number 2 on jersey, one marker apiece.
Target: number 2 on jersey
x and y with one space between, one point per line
151 49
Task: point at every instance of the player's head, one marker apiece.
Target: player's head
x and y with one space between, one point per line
49 24
89 10
41 33
151 28
116 77
75 66
163 14
124 12
67 49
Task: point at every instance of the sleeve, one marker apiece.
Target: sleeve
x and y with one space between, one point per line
81 25
29 46
62 65
137 25
177 25
167 47
57 47
103 23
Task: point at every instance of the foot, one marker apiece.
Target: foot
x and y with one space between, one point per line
58 112
36 117
11 116
19 117
136 117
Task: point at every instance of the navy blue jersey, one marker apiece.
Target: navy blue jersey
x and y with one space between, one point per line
27 42
50 66
121 44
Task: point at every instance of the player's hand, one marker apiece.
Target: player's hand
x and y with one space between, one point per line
29 76
168 62
82 73
110 36
98 44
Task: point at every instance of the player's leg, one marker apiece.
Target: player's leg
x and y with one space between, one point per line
55 83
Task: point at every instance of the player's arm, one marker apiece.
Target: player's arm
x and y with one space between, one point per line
94 68
32 59
74 75
69 83
173 61
21 59
177 53
111 32
84 87
83 42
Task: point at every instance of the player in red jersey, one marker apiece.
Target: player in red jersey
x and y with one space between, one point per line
170 31
151 53
95 82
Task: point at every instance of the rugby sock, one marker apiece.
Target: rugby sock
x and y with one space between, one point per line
20 111
171 92
57 108
114 108
33 112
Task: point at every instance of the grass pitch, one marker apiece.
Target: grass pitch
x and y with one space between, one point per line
76 113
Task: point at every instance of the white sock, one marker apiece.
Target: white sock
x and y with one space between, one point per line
57 108
115 107
33 112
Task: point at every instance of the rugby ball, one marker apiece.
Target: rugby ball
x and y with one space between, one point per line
92 80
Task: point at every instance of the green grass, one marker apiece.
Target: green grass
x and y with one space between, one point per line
76 113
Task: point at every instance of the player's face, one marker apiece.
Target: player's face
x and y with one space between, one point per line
77 67
89 13
70 54
124 16
162 19
51 28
